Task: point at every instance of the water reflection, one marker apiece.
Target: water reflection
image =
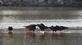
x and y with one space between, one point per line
1 38
42 39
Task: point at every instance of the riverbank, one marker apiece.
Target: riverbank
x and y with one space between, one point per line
41 8
43 32
23 30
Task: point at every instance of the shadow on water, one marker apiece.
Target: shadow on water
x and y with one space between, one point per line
30 35
31 38
42 37
45 36
57 36
10 34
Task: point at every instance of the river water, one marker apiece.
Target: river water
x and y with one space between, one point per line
41 39
18 18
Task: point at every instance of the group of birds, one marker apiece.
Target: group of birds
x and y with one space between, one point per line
42 27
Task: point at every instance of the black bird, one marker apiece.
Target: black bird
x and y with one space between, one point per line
31 27
63 28
10 28
56 28
53 28
42 26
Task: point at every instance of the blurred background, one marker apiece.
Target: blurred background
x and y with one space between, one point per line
42 3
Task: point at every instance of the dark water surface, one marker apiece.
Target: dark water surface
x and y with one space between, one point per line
41 39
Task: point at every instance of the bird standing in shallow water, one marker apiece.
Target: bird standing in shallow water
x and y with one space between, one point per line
56 28
31 27
10 28
42 26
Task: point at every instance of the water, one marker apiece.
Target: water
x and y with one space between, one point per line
41 39
18 18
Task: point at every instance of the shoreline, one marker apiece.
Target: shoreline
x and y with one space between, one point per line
23 28
43 32
41 8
